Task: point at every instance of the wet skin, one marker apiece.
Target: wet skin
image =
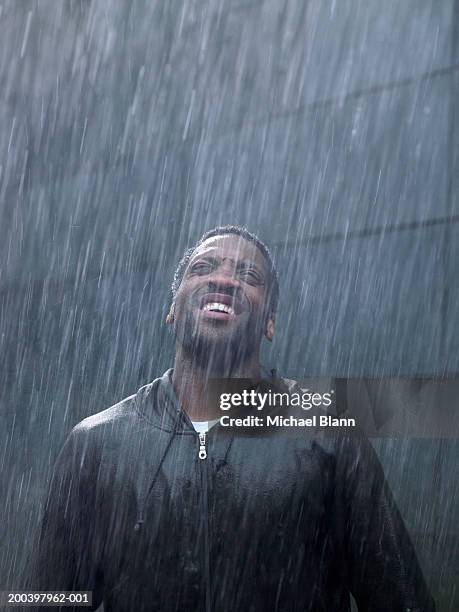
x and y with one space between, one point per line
222 300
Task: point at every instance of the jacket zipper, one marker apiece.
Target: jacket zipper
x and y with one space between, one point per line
202 455
202 446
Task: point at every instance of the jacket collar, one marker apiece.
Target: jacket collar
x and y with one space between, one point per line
158 403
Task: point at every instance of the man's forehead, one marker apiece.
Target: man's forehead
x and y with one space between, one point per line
233 247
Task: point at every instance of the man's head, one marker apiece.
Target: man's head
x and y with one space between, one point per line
225 295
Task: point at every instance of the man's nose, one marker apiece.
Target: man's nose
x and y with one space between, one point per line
224 277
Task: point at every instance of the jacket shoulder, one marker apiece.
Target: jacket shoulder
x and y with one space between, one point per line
122 411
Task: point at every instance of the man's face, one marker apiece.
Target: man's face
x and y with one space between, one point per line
221 305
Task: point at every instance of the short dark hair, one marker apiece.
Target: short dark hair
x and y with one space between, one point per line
238 230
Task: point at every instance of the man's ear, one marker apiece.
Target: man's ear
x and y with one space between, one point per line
270 328
170 314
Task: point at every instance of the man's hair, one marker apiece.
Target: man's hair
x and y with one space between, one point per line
238 230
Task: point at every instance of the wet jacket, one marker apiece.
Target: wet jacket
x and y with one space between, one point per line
287 519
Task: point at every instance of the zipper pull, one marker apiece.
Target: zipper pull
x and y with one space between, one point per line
202 446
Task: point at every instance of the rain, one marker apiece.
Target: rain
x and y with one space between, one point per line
328 128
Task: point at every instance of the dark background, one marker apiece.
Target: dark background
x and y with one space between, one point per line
330 128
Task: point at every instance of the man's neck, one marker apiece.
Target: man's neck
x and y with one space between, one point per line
190 382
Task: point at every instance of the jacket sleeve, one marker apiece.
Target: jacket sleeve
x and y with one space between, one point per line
382 567
67 555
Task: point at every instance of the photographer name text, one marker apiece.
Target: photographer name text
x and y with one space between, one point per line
287 421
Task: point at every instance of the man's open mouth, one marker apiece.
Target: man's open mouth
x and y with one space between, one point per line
220 306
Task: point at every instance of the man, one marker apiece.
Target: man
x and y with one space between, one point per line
156 506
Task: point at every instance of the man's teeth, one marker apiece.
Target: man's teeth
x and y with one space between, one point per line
216 306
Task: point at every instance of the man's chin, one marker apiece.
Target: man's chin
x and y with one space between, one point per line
215 343
216 351
212 343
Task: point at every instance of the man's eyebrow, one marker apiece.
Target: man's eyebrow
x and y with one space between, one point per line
208 258
248 264
244 263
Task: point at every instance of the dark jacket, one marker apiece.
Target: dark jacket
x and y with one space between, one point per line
279 520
